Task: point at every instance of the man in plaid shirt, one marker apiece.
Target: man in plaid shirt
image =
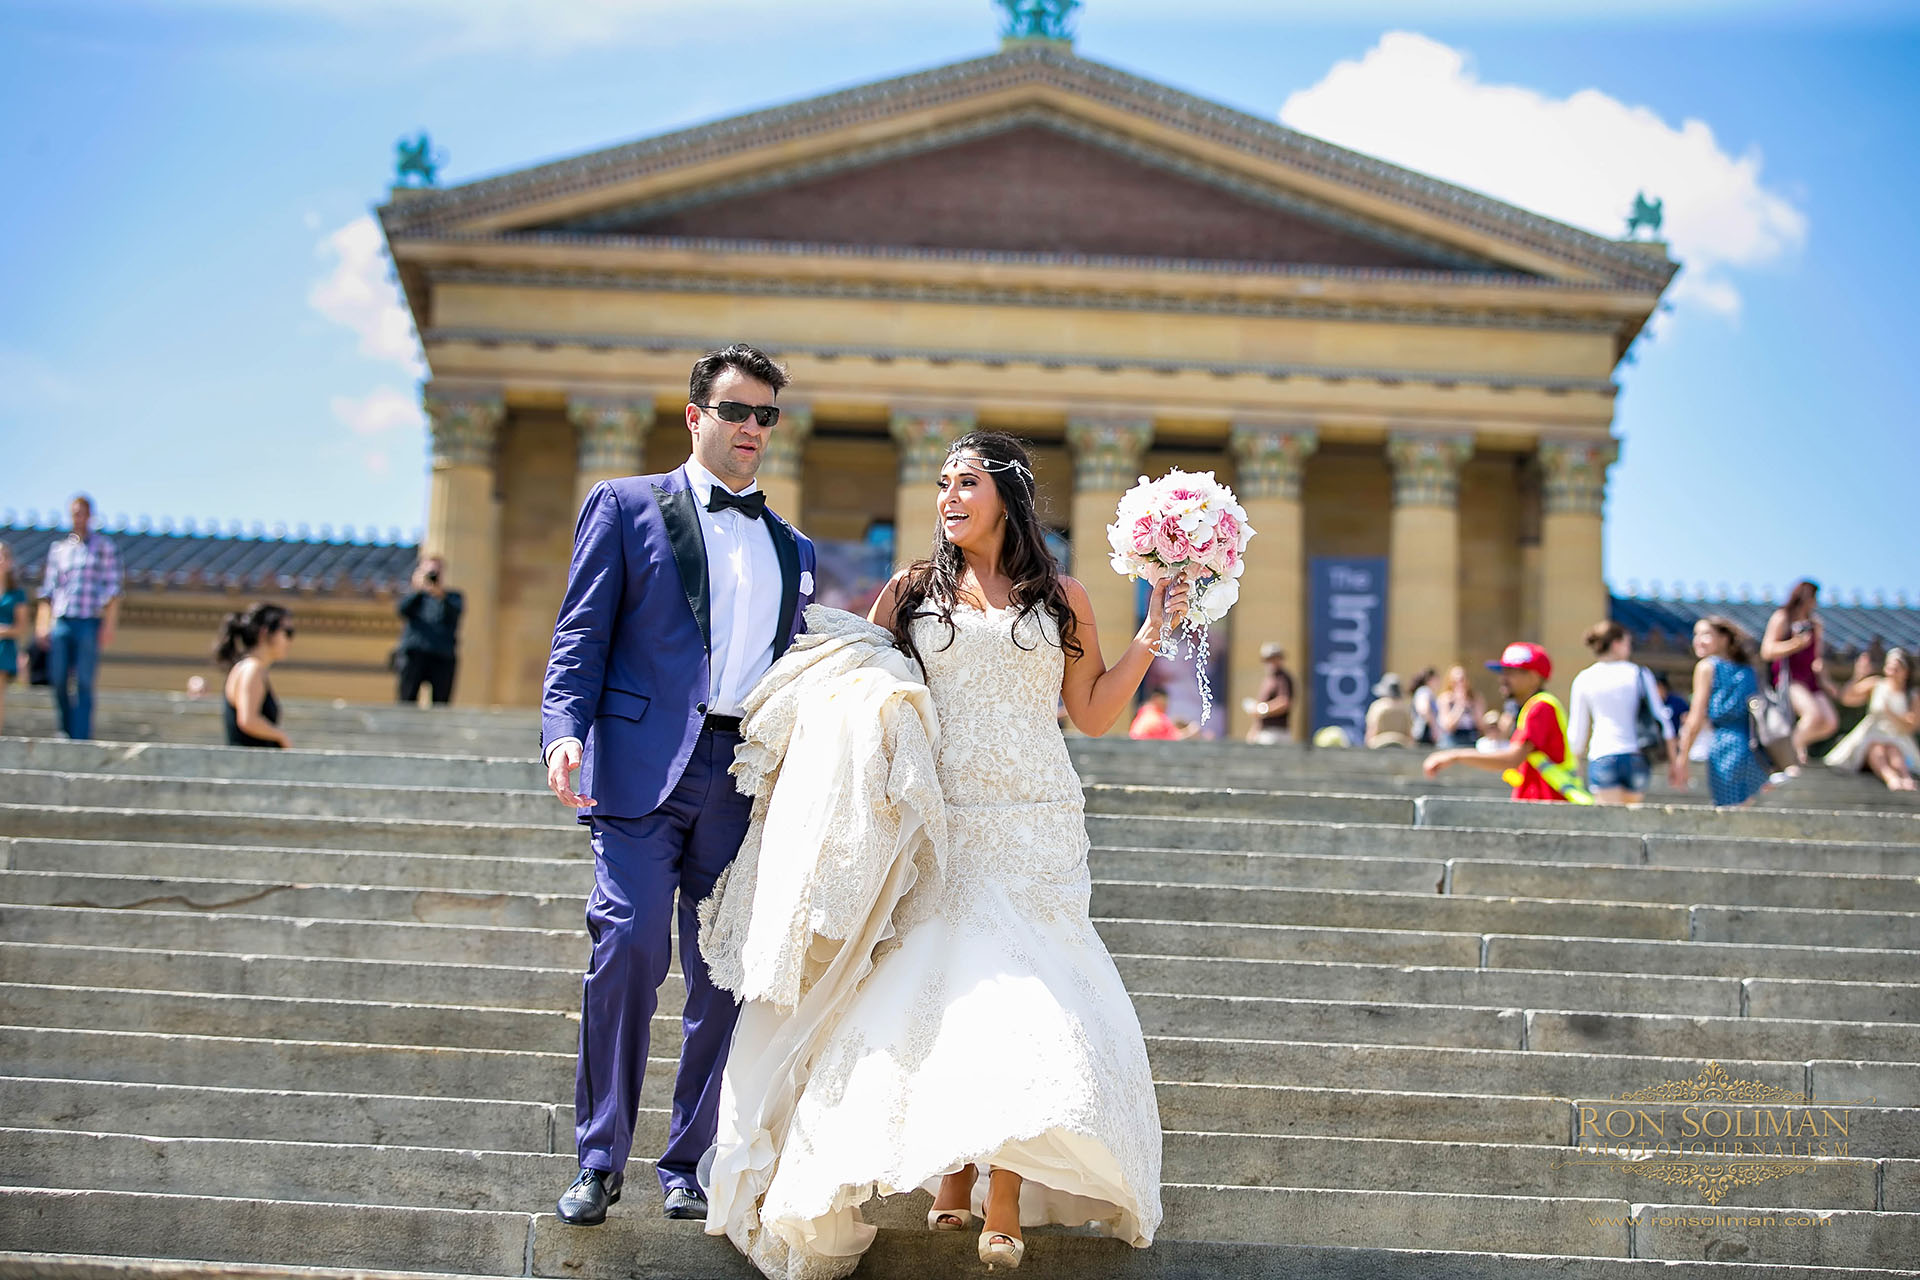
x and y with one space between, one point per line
79 609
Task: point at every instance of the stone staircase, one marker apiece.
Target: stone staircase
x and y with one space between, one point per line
264 1011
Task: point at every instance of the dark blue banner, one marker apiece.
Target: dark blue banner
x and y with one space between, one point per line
1347 605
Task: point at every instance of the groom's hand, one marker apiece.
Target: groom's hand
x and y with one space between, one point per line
560 766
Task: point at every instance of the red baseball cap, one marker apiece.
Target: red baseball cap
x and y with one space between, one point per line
1522 656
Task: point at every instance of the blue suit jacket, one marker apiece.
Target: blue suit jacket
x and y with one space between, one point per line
629 672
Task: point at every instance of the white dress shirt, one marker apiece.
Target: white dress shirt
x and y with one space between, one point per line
743 598
743 593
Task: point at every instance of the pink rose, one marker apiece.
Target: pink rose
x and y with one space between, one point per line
1140 537
1227 528
1170 542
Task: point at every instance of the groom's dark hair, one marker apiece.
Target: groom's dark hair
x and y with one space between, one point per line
751 361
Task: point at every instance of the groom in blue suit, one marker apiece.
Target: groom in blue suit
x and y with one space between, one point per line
684 588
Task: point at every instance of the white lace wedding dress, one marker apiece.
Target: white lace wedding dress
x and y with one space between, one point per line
998 1032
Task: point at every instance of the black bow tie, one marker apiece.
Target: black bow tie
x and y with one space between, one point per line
751 505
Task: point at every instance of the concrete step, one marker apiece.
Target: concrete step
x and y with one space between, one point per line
1129 899
1777 824
264 1063
283 1115
322 799
294 977
190 1145
269 1017
506 1181
1459 913
461 872
426 736
501 1243
388 835
1245 904
519 772
899 1253
499 986
239 931
283 898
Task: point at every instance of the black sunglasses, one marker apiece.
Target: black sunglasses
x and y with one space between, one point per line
733 411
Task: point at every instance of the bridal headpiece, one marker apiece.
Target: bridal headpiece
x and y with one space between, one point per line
980 462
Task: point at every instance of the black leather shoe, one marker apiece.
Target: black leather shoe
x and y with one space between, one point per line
682 1203
584 1204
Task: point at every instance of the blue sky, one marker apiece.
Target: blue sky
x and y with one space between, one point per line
182 336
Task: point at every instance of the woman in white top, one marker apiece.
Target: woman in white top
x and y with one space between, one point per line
1883 740
1604 728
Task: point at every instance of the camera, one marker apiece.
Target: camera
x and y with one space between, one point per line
433 575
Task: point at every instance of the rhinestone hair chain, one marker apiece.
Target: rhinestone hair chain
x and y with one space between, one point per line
993 464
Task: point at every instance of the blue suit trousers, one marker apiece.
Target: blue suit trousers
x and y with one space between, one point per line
639 866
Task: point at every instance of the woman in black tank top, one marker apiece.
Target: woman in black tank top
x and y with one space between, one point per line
250 643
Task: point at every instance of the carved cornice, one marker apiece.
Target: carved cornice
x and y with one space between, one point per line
1575 472
923 437
1426 467
1026 66
1463 316
786 450
609 432
547 340
1107 452
1270 459
465 424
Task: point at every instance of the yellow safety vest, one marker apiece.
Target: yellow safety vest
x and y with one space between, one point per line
1560 777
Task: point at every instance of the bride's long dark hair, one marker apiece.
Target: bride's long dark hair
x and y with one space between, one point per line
932 586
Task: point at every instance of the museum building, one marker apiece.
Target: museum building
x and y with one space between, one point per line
1130 277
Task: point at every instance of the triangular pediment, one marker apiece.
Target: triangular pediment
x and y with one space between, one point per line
1031 181
1034 151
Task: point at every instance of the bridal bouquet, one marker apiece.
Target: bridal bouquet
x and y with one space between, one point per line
1185 525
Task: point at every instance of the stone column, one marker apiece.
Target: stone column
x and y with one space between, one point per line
610 433
923 437
1423 565
1270 461
1106 463
783 469
1573 592
463 523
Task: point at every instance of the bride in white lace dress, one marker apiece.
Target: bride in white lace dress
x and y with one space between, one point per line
997 1037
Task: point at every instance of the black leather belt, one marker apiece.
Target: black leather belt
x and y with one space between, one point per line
722 724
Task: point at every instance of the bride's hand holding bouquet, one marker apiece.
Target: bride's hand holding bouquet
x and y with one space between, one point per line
1188 530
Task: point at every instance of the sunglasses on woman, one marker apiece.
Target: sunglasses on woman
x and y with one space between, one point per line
733 411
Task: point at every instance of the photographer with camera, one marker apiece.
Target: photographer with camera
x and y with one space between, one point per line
428 649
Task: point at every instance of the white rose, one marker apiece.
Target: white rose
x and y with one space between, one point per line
1216 598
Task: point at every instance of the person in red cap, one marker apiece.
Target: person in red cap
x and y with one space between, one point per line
1535 762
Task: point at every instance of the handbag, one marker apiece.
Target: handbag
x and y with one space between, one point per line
1649 735
1770 721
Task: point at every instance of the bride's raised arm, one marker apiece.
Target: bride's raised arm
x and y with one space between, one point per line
1097 695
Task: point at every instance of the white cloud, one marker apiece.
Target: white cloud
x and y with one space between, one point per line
357 293
384 410
1580 159
375 419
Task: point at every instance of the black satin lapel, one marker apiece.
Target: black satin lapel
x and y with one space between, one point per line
682 518
788 550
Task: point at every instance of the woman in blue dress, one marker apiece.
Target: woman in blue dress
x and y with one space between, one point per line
1722 682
